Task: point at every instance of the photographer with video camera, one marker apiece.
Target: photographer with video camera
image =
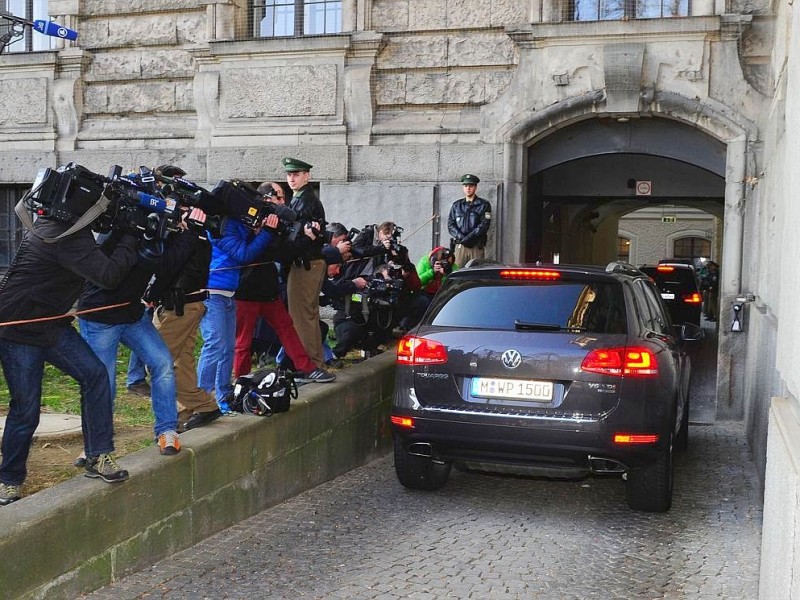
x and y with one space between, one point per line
238 245
368 308
432 270
259 296
377 245
177 299
127 322
40 287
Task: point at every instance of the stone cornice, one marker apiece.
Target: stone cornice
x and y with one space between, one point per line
589 32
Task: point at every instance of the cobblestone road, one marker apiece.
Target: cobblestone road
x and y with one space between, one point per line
483 536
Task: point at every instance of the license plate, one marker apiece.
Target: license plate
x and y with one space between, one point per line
668 296
513 389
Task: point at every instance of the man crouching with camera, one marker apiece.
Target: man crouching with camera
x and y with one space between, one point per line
41 286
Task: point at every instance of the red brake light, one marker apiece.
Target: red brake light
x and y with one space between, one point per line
532 274
693 298
630 361
406 422
420 351
665 268
635 438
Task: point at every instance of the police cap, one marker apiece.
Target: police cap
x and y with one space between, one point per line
470 179
292 165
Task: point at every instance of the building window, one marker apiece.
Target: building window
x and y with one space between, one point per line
30 10
691 247
608 10
283 18
10 227
623 249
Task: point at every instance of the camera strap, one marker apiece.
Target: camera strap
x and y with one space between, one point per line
84 220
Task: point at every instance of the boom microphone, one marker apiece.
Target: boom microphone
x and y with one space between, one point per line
53 29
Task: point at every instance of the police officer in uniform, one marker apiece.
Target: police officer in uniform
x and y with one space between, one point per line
307 272
469 222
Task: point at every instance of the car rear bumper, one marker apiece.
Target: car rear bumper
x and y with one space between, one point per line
560 448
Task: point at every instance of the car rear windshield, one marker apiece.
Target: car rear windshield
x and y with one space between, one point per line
595 307
676 279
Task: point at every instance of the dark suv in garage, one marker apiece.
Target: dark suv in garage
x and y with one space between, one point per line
677 284
554 370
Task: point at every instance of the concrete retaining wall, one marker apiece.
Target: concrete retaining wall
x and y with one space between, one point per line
83 534
780 554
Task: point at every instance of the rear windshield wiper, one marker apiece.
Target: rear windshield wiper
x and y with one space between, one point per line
526 325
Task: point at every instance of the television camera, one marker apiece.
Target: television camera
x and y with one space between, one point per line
244 202
131 203
146 204
394 243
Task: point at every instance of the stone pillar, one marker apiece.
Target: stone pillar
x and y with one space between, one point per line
226 19
359 103
68 96
206 98
702 8
65 12
732 346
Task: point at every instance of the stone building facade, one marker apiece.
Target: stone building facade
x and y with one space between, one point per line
556 113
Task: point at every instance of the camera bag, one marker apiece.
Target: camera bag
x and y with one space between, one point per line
263 392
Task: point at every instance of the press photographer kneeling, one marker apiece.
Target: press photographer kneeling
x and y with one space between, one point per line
368 309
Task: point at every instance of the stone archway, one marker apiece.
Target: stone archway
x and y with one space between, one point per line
710 122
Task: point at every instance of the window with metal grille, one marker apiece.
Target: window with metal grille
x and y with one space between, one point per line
287 18
10 227
608 10
691 247
30 10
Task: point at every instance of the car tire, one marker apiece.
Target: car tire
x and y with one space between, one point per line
649 489
418 472
682 439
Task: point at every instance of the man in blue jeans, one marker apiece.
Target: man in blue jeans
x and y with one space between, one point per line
237 246
123 319
43 282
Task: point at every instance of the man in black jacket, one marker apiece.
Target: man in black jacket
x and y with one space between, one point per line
178 299
40 287
469 222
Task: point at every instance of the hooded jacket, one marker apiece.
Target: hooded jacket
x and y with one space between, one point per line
428 278
44 279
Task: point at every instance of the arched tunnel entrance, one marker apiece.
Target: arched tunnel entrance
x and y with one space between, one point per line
664 179
582 179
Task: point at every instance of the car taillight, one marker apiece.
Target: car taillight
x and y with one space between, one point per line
531 274
665 269
405 422
635 438
625 361
420 351
694 298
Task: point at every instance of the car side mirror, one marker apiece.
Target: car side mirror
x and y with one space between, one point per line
689 332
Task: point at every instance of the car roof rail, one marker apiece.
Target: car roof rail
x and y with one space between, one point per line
481 262
619 266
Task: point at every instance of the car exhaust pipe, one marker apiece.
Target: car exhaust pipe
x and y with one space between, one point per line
599 465
423 449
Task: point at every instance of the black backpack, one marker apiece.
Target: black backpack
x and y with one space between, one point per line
263 392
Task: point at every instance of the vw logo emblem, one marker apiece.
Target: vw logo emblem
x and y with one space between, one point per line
511 359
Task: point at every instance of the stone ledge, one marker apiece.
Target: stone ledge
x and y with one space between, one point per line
85 533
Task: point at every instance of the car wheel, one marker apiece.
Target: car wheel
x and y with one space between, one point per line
419 472
649 489
682 439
